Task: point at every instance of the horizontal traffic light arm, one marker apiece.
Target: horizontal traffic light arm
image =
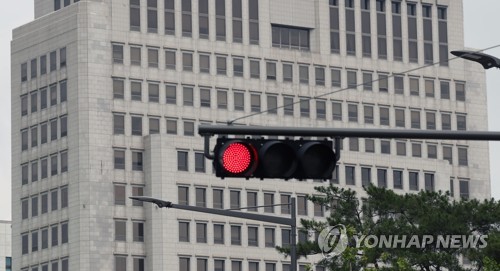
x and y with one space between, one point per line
209 130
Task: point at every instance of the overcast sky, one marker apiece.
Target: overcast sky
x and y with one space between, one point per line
480 18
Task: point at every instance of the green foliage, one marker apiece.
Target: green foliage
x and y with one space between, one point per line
384 213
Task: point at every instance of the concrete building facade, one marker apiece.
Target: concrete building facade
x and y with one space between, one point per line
107 96
5 246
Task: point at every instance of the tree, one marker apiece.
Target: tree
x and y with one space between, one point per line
383 213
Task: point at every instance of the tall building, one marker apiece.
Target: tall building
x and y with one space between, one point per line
107 96
5 246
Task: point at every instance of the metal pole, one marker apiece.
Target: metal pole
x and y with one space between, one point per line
293 246
348 132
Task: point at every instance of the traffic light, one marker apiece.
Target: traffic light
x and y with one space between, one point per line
272 158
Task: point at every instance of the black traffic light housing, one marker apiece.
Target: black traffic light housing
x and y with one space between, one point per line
272 158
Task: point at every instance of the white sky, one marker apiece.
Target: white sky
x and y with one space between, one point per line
480 15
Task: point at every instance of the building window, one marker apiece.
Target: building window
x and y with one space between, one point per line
44 167
218 234
369 145
427 27
184 264
397 31
136 125
381 29
288 106
183 231
352 112
413 180
152 56
220 20
201 233
285 199
253 14
169 17
429 88
183 195
53 61
135 56
302 205
271 70
464 189
154 126
25 208
119 158
239 101
352 81
218 199
170 59
221 62
397 176
350 177
118 88
136 91
319 210
382 178
24 72
24 140
398 84
443 36
53 165
431 151
255 102
366 28
400 118
236 235
415 119
171 127
24 105
414 87
187 95
234 199
448 154
203 19
139 264
137 191
416 149
321 110
254 67
186 18
34 137
199 162
188 128
383 83
430 118
117 53
53 95
137 163
138 231
187 61
237 21
334 27
171 94
118 124
54 200
119 192
304 74
367 81
304 108
461 122
253 236
34 66
43 65
152 16
238 67
201 197
272 104
120 230
268 201
366 178
384 116
353 144
320 76
269 237
429 181
25 243
43 98
462 157
445 121
385 146
201 264
54 234
290 37
135 15
182 160
350 27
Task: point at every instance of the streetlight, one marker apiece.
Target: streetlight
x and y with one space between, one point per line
292 221
488 61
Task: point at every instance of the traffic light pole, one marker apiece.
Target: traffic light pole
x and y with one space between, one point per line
292 221
210 130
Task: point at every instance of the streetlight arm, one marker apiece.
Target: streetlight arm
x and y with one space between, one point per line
258 217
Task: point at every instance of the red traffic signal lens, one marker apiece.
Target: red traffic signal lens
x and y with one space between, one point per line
237 157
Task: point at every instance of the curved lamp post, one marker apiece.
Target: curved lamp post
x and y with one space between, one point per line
488 61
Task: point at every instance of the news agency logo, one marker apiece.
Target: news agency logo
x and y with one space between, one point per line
333 240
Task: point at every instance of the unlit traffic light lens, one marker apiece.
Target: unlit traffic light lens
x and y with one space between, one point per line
237 158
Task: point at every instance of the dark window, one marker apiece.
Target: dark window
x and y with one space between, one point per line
353 112
429 181
171 94
25 243
430 118
152 16
137 162
138 231
34 137
54 200
117 53
385 146
187 61
139 264
254 67
271 70
269 237
290 37
201 197
432 151
154 126
171 127
53 165
221 99
34 66
135 15
352 81
350 177
201 233
255 102
320 110
367 81
135 56
272 104
43 98
183 195
382 178
268 201
221 65
120 195
413 180
137 191
235 235
182 161
462 157
304 108
415 119
237 21
24 72
220 20
384 116
366 178
136 125
43 65
63 91
369 145
218 234
285 199
188 128
448 154
170 59
136 91
34 241
203 19
118 88
302 205
62 57
24 105
238 67
119 159
218 199
400 118
184 231
24 140
54 234
253 236
170 17
184 264
397 176
461 122
234 199
253 12
53 95
25 208
186 18
460 91
152 57
464 189
416 149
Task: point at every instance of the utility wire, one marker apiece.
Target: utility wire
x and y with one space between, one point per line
230 122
